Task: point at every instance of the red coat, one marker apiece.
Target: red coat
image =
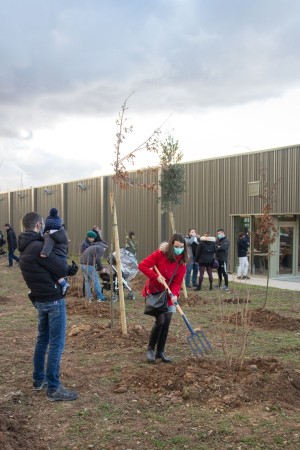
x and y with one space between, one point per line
166 268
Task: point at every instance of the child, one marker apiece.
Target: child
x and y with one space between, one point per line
56 240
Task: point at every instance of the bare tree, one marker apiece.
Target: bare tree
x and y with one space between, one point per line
267 232
122 180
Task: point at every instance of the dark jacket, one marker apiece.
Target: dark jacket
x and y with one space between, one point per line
206 251
56 242
222 249
242 247
92 256
40 273
11 239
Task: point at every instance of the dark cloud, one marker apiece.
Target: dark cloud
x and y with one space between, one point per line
69 58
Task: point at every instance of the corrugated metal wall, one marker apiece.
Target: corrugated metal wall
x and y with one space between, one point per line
217 189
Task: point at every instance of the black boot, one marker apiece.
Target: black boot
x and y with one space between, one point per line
210 286
151 356
154 336
163 357
162 342
198 288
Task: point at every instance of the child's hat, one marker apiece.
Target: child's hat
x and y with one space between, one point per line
53 221
91 234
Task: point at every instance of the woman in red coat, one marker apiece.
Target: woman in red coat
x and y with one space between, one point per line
170 258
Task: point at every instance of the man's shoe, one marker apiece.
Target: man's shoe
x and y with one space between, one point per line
197 288
163 357
151 356
226 288
61 394
239 278
39 385
246 278
101 300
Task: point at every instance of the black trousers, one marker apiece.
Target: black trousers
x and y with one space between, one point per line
159 332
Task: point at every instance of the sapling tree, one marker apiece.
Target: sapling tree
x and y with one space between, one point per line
172 181
266 233
122 180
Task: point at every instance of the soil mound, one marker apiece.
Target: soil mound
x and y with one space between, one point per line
103 337
83 307
266 319
15 434
211 382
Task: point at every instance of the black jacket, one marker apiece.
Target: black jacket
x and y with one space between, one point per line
40 274
242 247
222 248
11 239
206 251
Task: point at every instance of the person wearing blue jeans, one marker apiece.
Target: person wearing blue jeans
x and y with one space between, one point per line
192 241
52 320
91 277
90 265
47 297
11 244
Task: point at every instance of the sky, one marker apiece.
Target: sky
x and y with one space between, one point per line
223 77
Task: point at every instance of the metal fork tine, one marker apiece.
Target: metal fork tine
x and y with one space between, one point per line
196 349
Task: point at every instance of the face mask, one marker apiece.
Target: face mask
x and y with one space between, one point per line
178 251
220 236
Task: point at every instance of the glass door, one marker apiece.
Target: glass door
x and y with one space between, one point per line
287 249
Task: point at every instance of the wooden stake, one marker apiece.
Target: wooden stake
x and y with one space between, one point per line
119 267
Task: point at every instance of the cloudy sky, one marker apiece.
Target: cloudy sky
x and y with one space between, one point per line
227 72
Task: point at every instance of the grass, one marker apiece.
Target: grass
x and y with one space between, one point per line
105 420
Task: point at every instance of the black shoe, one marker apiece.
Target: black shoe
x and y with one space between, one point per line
151 356
163 357
61 394
197 288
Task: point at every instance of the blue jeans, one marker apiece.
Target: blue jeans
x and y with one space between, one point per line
11 257
192 267
91 276
52 320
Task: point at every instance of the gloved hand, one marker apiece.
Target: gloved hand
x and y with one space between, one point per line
73 269
174 299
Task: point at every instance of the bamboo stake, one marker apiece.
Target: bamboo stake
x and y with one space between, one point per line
119 268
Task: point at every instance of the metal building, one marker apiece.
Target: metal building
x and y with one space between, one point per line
220 192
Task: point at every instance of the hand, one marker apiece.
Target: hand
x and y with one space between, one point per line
73 269
174 299
161 279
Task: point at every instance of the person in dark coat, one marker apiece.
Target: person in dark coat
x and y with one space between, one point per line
205 257
242 248
46 296
2 242
222 249
11 244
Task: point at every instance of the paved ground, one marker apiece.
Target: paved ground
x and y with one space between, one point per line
292 283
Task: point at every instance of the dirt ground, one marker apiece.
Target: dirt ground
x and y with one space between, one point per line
125 403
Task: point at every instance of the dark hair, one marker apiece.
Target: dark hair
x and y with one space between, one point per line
30 220
241 234
130 234
170 255
7 225
221 229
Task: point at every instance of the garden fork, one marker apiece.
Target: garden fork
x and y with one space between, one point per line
197 340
